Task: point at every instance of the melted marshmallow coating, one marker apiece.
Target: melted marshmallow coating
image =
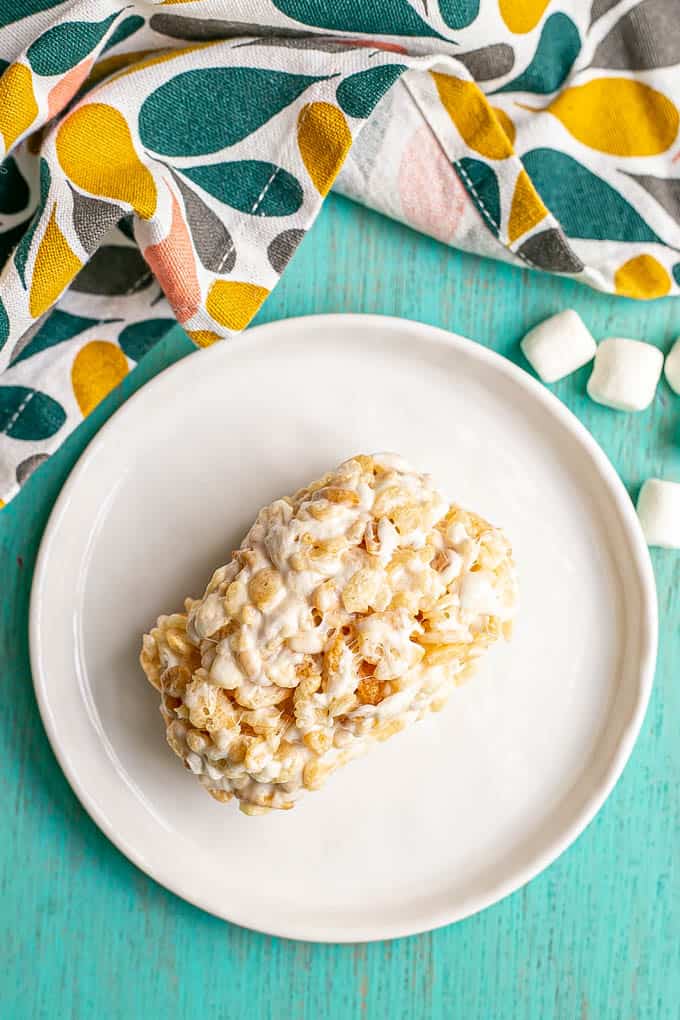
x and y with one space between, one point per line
350 611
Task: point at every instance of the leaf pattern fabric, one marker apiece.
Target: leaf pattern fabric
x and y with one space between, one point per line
161 161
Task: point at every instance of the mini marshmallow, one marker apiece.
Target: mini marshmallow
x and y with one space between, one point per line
672 367
625 374
658 508
558 346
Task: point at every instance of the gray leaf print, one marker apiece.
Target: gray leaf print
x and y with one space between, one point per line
647 36
666 190
549 250
601 7
28 466
212 241
92 218
113 270
198 29
489 61
281 249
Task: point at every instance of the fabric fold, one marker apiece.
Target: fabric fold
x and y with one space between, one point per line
167 147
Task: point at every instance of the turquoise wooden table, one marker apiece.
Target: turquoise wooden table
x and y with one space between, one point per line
84 934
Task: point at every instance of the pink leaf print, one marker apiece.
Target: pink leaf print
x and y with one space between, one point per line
173 263
432 196
66 89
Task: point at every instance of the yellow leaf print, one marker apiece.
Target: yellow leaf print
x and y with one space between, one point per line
109 65
151 61
233 304
55 266
97 369
642 277
203 337
505 122
619 116
18 108
526 210
324 141
468 109
522 15
95 150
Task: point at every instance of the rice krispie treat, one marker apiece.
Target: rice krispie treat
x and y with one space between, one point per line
350 610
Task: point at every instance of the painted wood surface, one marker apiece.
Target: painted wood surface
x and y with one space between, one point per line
84 934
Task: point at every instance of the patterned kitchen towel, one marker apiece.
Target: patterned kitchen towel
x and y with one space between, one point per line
164 159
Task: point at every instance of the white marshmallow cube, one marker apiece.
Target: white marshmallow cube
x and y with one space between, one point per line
672 367
625 374
558 346
658 508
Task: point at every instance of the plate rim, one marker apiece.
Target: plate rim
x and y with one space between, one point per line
347 933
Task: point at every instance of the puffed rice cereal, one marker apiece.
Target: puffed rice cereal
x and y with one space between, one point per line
351 610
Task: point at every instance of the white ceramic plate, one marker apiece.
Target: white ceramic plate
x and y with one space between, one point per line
444 819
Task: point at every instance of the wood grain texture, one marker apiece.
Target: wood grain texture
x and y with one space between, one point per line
84 934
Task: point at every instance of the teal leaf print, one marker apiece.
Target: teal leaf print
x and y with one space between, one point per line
126 227
647 36
205 110
26 413
113 270
589 207
281 249
62 47
252 186
56 328
140 337
28 466
126 28
24 246
4 324
459 13
212 241
15 10
489 61
14 192
359 93
9 240
558 47
480 182
549 250
395 18
676 273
